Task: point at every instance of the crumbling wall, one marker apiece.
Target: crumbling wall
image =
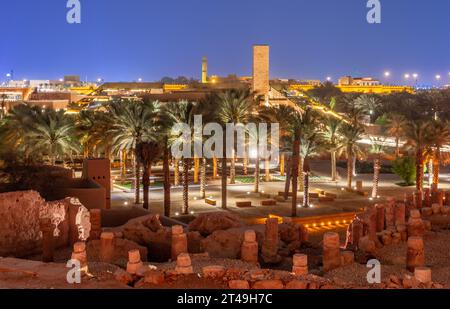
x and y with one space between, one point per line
20 215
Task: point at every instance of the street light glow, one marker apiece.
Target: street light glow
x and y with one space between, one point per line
387 74
407 76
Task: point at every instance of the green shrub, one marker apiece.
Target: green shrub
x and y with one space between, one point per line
405 168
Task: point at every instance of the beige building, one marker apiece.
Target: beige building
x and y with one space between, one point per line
358 81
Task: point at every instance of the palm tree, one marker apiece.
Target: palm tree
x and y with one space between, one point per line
417 133
182 112
349 144
377 150
40 132
146 153
396 127
290 119
236 106
311 143
331 136
369 104
3 107
133 122
439 137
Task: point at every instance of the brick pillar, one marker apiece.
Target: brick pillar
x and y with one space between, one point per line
179 242
48 240
249 248
96 223
106 247
415 256
331 251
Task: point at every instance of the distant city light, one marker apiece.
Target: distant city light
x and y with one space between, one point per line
8 74
415 75
407 76
139 79
438 77
387 74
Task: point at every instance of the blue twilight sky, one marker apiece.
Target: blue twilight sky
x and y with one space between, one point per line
310 39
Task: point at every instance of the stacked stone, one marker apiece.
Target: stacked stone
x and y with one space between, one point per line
409 200
436 209
354 233
440 198
415 256
447 199
214 271
179 241
184 264
390 215
134 261
347 257
48 240
79 254
269 250
331 251
371 222
416 226
300 264
418 199
96 224
106 247
427 198
380 209
249 248
423 275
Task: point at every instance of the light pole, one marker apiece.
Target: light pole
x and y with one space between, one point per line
416 77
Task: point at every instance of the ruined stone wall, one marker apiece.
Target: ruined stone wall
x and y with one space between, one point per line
20 216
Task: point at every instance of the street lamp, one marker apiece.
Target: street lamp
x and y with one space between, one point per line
329 78
438 77
387 74
139 79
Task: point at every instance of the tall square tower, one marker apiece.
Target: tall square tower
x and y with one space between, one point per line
261 69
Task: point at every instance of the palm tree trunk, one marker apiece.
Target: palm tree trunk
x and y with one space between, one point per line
333 166
185 186
137 184
301 184
287 183
123 166
354 165
397 147
203 179
233 169
295 165
146 184
267 169
224 175
256 183
166 179
436 166
430 172
214 168
376 176
349 170
282 160
245 164
419 169
196 169
306 190
176 171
